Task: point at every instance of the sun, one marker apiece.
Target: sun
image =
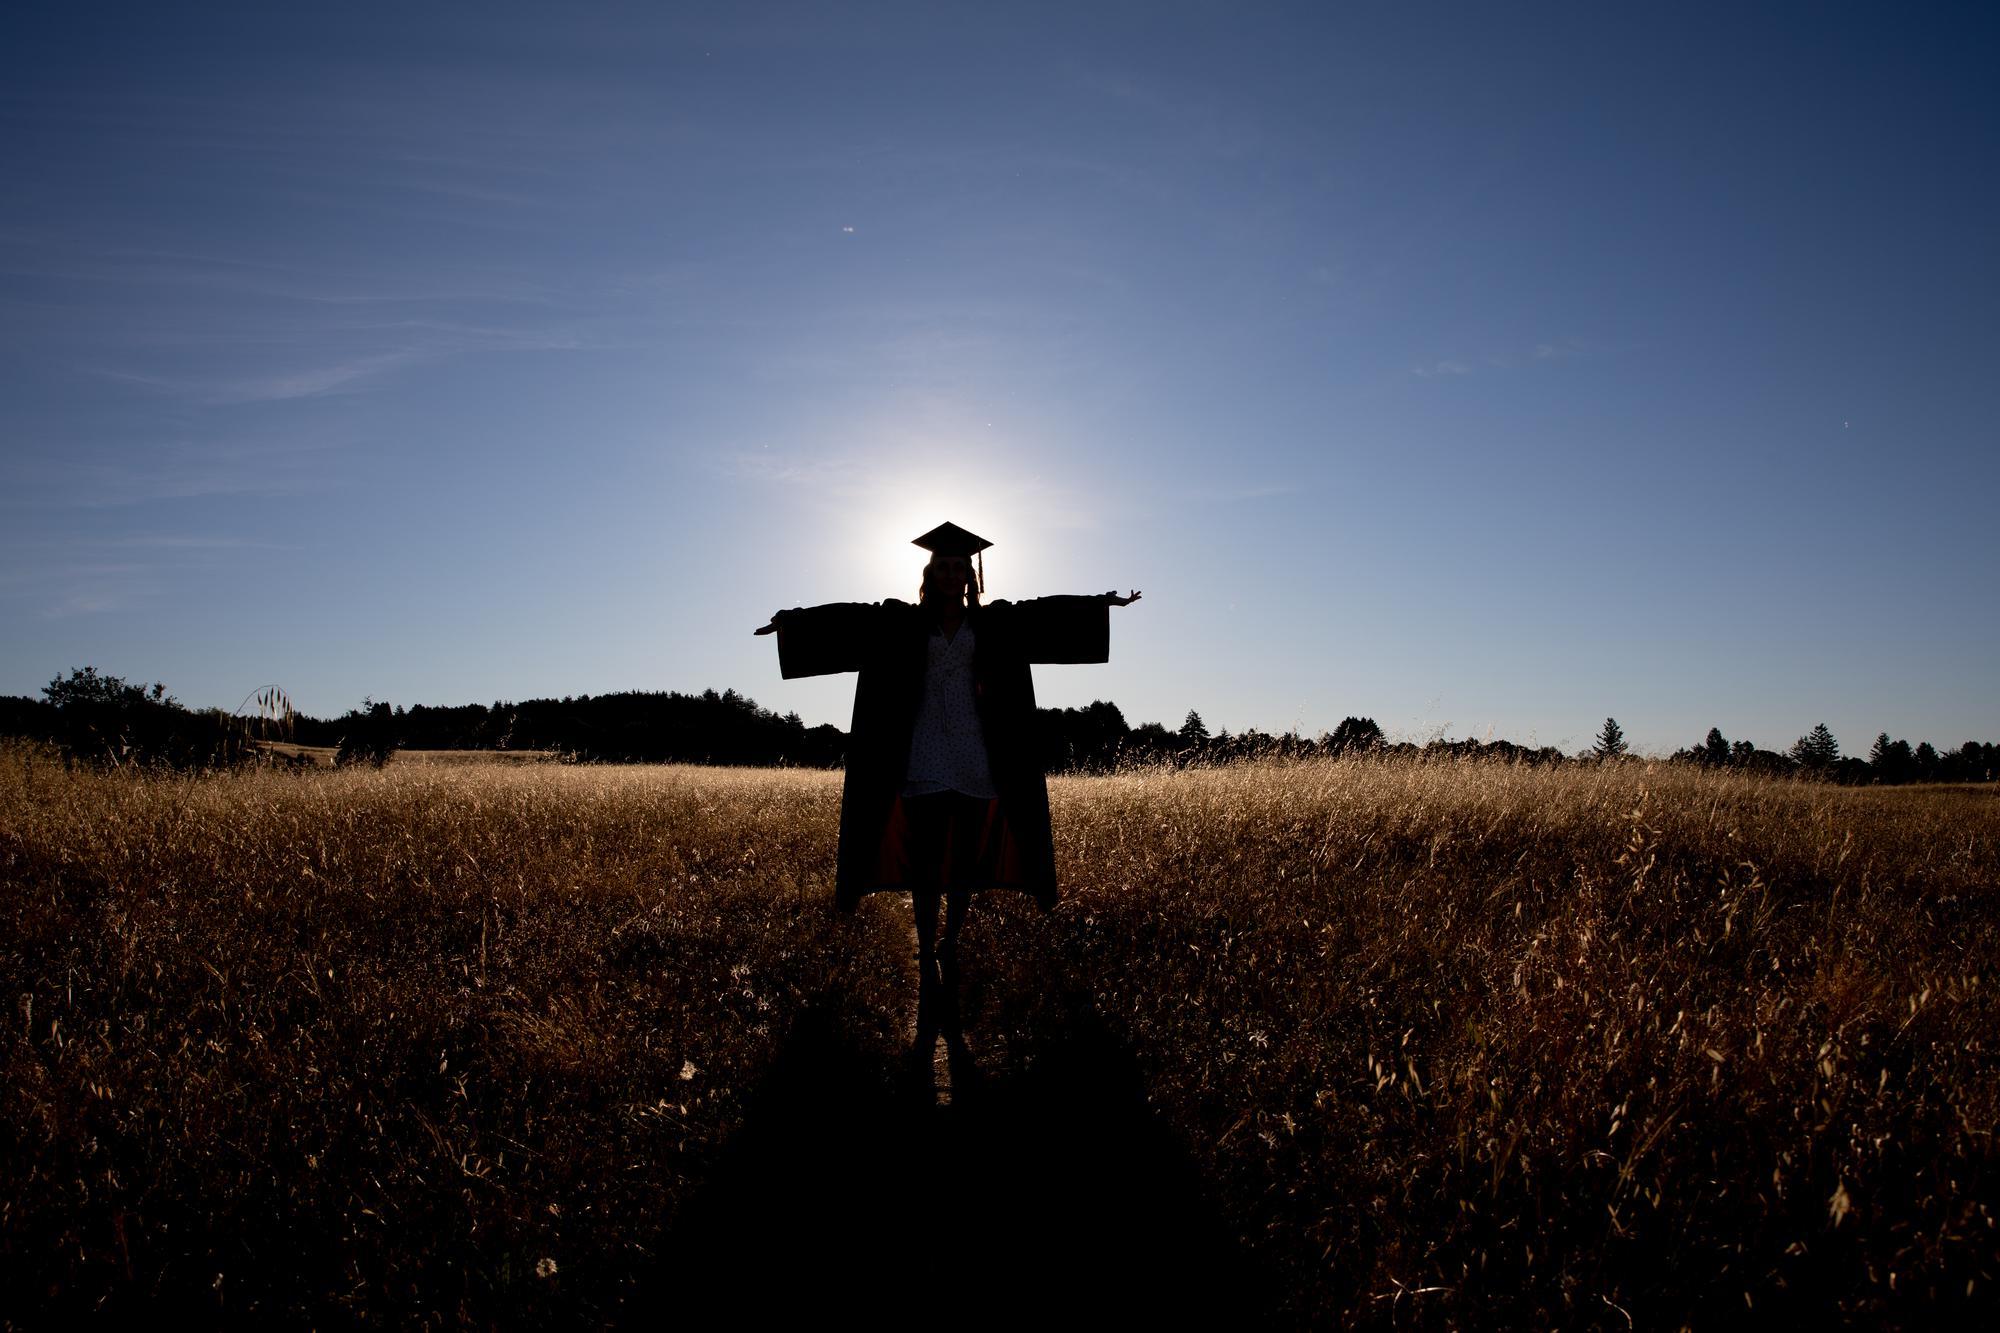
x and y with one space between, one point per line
888 561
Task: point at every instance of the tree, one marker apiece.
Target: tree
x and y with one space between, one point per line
1972 762
1355 735
85 688
1610 741
102 719
1086 738
1149 741
1715 750
1925 761
1890 760
1194 731
370 735
1742 752
1817 749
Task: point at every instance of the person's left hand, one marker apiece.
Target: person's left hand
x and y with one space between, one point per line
1114 599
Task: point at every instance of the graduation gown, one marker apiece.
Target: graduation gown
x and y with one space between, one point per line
886 643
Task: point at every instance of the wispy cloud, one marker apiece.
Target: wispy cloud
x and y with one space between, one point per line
1244 494
207 371
222 330
86 590
110 264
115 477
184 543
312 381
60 578
1561 349
222 389
841 477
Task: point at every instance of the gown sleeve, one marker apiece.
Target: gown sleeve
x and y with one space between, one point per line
823 640
1062 629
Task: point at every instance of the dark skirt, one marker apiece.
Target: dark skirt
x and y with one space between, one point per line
948 842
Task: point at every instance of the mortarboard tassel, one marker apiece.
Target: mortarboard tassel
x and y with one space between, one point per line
980 556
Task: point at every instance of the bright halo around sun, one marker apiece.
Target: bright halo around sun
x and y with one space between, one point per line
893 567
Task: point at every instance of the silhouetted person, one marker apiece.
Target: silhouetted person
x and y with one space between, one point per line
945 793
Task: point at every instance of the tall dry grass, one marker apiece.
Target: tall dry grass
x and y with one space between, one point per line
1475 1044
417 1045
1453 1044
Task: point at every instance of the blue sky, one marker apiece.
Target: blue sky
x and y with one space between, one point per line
1485 370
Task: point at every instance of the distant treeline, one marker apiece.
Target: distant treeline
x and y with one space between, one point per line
1818 754
1096 738
103 719
633 726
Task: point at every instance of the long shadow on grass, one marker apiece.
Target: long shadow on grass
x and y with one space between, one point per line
1050 1192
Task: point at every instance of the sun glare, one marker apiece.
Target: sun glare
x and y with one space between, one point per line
890 566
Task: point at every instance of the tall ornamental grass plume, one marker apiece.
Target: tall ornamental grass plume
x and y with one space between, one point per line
1451 1043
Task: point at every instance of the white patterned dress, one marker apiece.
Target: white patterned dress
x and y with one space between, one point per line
947 747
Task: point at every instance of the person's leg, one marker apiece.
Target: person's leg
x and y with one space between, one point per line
972 862
955 904
927 820
924 902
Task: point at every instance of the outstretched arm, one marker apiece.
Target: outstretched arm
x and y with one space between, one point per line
1065 629
821 640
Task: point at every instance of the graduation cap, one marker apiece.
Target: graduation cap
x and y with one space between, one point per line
951 539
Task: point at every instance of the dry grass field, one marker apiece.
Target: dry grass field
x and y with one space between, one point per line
1447 1044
